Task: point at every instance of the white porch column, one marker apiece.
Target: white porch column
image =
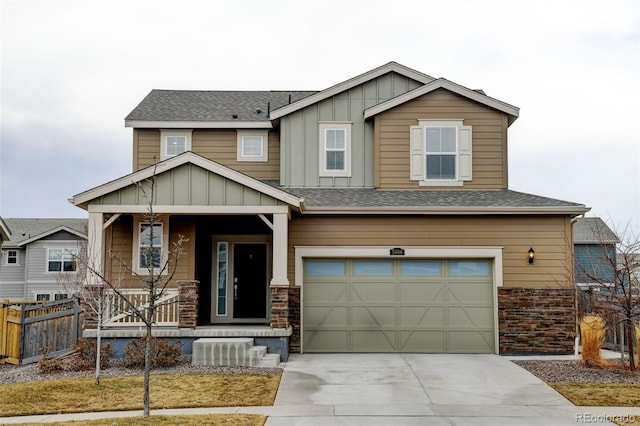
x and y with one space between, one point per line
280 255
95 246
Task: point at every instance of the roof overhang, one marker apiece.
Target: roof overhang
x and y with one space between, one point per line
142 124
441 83
422 210
83 199
348 84
51 232
5 234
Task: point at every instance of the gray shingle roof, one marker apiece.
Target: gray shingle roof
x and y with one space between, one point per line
24 229
593 230
201 105
372 198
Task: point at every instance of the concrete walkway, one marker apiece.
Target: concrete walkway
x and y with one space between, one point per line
400 389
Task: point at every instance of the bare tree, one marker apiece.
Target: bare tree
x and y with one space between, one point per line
159 270
610 273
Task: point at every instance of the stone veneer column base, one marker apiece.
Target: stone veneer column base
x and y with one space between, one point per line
279 307
294 319
188 303
537 320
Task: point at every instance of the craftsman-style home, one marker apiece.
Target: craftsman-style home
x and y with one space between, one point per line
372 216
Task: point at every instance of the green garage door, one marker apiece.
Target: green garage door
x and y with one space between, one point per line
389 305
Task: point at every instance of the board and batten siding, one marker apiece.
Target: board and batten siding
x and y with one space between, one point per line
216 145
299 133
489 144
550 236
191 185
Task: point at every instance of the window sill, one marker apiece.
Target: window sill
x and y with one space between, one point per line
434 183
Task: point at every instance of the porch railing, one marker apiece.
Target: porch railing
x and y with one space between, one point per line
118 313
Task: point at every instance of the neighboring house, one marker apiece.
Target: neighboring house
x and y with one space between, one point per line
594 246
372 216
34 254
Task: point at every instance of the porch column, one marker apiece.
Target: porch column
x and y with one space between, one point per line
95 246
280 245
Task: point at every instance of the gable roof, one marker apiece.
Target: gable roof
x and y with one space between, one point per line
348 84
25 231
82 200
593 230
200 108
371 200
443 83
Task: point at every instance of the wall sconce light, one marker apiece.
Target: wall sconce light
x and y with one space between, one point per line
532 253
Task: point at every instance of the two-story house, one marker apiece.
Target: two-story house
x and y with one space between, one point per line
35 254
372 216
594 245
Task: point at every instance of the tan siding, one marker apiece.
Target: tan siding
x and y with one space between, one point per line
489 139
148 148
120 244
550 237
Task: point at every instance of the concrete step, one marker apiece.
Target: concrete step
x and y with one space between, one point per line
238 351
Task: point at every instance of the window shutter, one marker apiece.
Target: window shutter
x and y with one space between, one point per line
416 153
464 152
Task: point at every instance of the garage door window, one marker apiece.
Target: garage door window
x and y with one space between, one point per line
420 267
469 267
364 267
324 267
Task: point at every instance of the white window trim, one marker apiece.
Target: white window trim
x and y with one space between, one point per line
6 257
418 153
264 134
65 250
163 141
334 125
138 220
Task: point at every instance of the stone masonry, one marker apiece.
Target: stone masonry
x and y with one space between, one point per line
279 307
188 303
294 319
537 320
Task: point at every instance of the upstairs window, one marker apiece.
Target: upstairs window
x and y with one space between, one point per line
252 146
440 153
61 260
12 257
174 142
150 245
335 149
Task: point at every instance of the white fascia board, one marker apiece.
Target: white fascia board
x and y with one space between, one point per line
50 232
5 234
186 209
346 85
142 124
451 86
187 157
447 210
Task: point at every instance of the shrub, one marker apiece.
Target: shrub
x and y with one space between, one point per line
48 365
163 353
85 355
592 330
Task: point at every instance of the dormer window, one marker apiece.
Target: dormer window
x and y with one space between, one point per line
174 142
440 153
252 145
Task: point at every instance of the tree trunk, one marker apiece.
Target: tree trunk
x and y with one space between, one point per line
98 347
147 371
630 344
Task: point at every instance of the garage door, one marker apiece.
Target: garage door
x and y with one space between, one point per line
389 305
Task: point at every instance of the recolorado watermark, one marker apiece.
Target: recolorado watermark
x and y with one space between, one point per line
604 418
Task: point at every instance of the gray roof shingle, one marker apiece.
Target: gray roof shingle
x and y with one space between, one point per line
593 230
23 229
203 105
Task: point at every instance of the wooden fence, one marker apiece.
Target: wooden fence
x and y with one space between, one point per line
26 327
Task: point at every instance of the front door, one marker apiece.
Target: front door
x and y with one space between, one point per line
249 280
240 280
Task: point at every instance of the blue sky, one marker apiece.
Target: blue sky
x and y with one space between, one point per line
72 70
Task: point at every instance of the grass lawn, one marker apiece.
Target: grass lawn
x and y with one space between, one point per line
125 393
212 420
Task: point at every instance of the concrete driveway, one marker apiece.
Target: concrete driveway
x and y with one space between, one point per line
417 389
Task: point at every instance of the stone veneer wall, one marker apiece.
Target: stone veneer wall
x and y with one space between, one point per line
279 307
294 319
188 303
537 320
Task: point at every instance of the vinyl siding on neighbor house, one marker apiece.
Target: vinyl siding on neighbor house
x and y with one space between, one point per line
549 235
12 277
489 144
299 133
217 145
